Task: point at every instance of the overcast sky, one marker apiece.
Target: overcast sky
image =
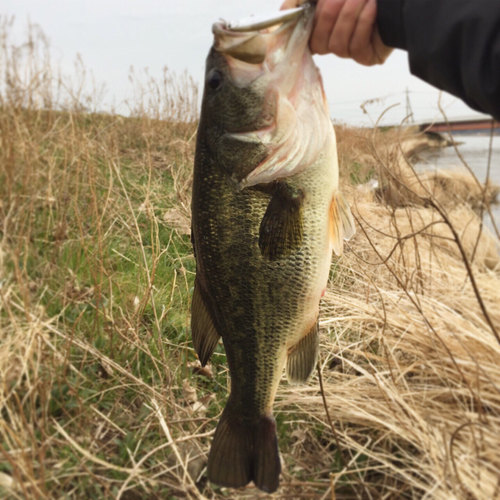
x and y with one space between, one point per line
113 35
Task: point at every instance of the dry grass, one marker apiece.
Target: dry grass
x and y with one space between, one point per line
411 348
94 289
100 392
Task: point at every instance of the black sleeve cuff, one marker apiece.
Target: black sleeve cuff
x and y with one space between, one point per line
390 23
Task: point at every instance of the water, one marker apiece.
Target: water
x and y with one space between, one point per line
475 150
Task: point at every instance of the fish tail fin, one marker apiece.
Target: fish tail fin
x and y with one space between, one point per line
267 464
245 450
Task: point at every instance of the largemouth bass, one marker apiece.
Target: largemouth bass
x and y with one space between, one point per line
266 214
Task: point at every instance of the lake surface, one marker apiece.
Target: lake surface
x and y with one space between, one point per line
475 150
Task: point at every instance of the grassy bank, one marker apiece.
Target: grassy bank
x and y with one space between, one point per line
101 395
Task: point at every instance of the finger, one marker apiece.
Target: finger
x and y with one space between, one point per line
326 16
343 31
291 4
361 47
382 51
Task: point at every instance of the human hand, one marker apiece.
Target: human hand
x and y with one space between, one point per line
346 28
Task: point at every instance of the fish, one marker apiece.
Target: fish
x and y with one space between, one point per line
266 215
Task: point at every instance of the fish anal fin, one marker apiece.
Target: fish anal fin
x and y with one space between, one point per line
342 225
281 230
203 331
244 450
302 357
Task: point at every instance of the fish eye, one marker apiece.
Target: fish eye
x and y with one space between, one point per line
214 79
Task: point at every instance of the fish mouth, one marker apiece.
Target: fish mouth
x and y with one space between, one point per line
256 40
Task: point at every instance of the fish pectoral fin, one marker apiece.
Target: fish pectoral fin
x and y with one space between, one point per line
302 357
203 331
281 230
243 451
342 225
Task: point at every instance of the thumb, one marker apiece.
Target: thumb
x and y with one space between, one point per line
381 50
289 4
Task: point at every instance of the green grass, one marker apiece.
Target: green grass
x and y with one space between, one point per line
359 175
88 251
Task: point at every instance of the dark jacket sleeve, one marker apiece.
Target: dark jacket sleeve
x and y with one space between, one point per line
452 44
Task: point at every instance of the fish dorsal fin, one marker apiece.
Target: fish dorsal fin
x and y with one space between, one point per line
205 335
302 357
281 230
341 223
